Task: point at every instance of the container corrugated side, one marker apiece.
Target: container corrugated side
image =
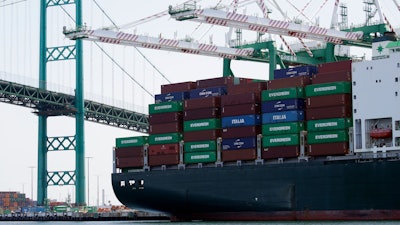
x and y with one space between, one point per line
203 124
131 141
283 105
166 107
239 143
239 154
307 70
173 96
281 140
176 87
200 157
328 89
282 93
327 136
328 149
291 151
200 146
168 138
282 128
283 117
329 124
241 120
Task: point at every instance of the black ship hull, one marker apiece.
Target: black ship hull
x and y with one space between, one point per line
317 190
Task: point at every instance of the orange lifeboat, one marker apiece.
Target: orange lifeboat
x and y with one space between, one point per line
380 133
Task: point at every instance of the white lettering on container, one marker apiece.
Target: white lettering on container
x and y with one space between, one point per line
277 94
327 124
202 124
326 136
199 157
237 121
160 107
328 88
279 128
166 138
199 146
279 117
129 141
277 140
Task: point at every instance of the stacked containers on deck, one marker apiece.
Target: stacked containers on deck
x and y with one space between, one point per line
241 120
13 201
329 109
283 112
129 152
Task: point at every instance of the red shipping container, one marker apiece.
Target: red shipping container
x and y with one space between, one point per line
238 99
245 109
199 103
162 128
129 152
329 101
202 135
336 76
216 82
281 152
165 117
196 114
237 132
178 87
335 66
254 87
159 160
299 81
129 162
328 149
329 112
240 154
165 149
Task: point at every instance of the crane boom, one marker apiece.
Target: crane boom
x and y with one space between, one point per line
121 38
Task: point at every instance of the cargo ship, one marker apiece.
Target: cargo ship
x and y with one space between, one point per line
316 143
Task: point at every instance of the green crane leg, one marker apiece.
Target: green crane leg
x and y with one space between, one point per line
272 59
227 68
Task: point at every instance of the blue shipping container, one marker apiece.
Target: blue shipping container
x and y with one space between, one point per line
239 143
173 96
240 121
282 105
207 92
295 72
283 117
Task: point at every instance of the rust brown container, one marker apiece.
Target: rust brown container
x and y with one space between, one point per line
202 135
254 87
165 117
329 101
129 162
238 99
240 154
292 151
336 76
177 87
238 132
299 81
199 103
329 112
129 152
204 113
159 160
328 149
165 149
244 109
216 82
162 128
335 66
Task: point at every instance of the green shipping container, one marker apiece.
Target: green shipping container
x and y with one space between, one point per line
282 93
200 146
131 141
327 136
328 89
329 124
281 140
200 157
203 124
166 107
282 128
168 138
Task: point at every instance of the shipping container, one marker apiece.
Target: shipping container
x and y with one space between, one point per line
203 124
328 149
241 120
243 109
281 140
329 112
239 154
335 66
166 107
307 70
129 152
200 157
204 113
282 105
329 124
200 146
217 82
162 128
159 160
328 89
292 151
300 81
169 138
131 141
199 103
177 87
283 117
335 76
165 117
173 96
322 137
129 162
244 131
283 128
283 93
164 149
202 135
242 88
328 101
239 99
239 143
207 92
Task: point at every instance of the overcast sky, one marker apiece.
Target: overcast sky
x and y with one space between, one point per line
19 44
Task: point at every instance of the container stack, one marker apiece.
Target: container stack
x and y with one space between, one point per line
129 152
13 201
329 109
